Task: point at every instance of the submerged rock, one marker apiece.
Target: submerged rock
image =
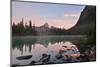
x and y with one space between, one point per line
59 56
32 63
45 58
24 57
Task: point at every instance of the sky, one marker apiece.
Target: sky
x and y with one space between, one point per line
58 15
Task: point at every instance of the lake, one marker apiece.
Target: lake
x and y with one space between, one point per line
34 50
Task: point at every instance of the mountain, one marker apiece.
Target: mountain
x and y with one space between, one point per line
86 24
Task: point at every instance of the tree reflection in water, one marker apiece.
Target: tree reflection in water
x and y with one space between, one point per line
58 52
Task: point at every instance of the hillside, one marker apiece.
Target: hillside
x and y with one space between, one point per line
86 23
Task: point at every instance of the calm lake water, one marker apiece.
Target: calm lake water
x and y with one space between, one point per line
60 49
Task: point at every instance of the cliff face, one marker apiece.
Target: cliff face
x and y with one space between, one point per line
86 23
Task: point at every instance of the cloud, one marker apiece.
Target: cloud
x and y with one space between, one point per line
72 14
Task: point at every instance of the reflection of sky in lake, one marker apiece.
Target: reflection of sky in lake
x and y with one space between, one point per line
36 50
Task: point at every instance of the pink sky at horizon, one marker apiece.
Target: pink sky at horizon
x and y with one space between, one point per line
60 22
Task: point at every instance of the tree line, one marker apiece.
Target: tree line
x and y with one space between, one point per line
28 29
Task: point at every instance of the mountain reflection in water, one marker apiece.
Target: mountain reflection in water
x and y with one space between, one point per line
59 52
